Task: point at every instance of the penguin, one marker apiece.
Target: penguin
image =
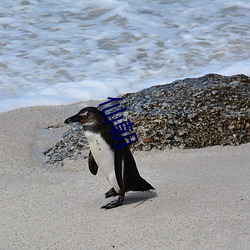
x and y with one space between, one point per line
117 164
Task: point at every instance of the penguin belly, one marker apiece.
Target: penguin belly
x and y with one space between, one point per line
104 157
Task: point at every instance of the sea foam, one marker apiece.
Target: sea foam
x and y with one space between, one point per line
63 52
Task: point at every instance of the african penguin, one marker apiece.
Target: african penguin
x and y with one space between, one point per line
117 164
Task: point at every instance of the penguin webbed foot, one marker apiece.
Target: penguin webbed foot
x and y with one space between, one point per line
111 193
115 203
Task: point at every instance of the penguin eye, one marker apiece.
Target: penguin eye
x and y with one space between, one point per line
84 115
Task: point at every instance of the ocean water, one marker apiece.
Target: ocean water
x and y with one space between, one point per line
61 52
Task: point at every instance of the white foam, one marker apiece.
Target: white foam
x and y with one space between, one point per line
63 52
242 67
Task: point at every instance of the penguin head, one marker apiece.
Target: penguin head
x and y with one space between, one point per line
88 117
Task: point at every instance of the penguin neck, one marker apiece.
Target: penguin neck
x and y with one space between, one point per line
96 128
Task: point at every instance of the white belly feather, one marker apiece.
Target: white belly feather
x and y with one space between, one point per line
104 157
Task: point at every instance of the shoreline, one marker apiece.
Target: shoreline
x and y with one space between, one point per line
201 198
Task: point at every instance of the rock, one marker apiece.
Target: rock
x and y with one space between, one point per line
190 113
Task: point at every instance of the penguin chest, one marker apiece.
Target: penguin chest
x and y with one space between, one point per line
104 157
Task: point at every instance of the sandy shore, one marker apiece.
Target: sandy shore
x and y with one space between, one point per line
201 201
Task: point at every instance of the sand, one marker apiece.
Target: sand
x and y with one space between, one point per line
201 200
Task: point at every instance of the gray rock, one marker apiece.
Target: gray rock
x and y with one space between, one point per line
190 113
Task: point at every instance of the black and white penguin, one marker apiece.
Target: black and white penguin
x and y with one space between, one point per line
117 164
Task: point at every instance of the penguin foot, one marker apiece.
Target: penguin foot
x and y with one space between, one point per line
111 193
113 204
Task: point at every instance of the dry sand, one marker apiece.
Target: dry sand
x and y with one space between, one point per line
201 201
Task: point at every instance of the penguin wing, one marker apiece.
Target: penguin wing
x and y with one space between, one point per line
93 167
118 166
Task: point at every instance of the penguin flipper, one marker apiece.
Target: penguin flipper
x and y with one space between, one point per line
118 166
93 167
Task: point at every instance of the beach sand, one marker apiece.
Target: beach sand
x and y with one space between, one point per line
201 198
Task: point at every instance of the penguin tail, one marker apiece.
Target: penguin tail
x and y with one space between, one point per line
141 185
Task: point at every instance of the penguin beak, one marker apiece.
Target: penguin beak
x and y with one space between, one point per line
74 118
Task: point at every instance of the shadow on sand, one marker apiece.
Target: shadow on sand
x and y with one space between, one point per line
138 198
